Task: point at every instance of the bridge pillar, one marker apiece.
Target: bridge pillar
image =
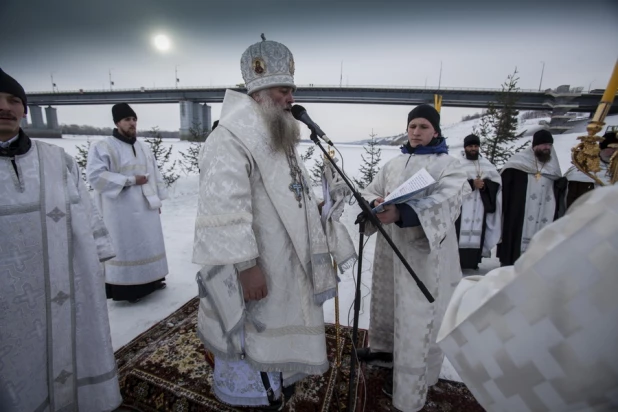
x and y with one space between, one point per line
561 104
206 115
52 118
186 119
36 115
198 116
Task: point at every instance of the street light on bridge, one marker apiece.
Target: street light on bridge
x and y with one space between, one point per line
54 87
111 83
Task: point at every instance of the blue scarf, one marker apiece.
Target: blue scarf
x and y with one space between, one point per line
436 146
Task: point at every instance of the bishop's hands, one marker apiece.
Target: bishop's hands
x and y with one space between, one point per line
253 283
390 213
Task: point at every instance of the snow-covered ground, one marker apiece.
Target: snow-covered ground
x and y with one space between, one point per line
178 216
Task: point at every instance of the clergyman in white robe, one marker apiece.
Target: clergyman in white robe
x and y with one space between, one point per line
480 223
248 215
542 335
403 322
55 345
131 213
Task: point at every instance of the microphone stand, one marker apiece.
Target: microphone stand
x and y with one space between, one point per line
366 214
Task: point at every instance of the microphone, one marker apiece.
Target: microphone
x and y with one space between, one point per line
301 115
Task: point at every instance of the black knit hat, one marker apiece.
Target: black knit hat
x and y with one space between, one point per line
122 111
428 113
11 86
541 137
472 139
608 138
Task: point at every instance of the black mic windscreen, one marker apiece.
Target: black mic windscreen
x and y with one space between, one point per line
297 111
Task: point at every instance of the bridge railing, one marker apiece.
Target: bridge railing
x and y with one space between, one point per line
303 86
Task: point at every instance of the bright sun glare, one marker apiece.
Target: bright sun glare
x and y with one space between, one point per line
162 42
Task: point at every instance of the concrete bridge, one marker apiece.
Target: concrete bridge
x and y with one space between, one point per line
195 109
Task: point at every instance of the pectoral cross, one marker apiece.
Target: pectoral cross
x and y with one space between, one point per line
297 188
537 175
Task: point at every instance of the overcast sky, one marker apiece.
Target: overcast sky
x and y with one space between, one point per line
380 43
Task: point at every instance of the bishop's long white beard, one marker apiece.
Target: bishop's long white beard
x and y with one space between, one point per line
284 129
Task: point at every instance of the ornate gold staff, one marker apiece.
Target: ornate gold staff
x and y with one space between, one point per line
585 155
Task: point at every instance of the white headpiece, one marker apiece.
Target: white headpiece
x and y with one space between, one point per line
267 64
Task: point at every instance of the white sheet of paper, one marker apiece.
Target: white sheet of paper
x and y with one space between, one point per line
418 181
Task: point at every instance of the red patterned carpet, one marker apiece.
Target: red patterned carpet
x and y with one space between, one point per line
167 369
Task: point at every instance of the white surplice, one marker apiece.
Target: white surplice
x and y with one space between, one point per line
55 345
130 212
542 335
402 321
473 211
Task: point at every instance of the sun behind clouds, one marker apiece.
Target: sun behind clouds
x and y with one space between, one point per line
161 42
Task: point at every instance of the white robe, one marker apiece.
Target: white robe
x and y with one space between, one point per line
55 345
403 322
131 213
247 212
542 335
473 211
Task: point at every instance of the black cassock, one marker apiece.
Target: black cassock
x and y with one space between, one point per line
576 189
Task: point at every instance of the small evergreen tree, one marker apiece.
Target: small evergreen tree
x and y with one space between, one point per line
82 160
317 171
307 155
315 174
162 157
190 159
198 133
499 123
369 168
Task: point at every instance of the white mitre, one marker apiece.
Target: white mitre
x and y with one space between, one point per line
267 64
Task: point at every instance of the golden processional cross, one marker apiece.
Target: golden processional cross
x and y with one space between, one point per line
585 156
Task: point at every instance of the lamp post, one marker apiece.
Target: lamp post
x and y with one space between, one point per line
111 83
542 71
54 87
